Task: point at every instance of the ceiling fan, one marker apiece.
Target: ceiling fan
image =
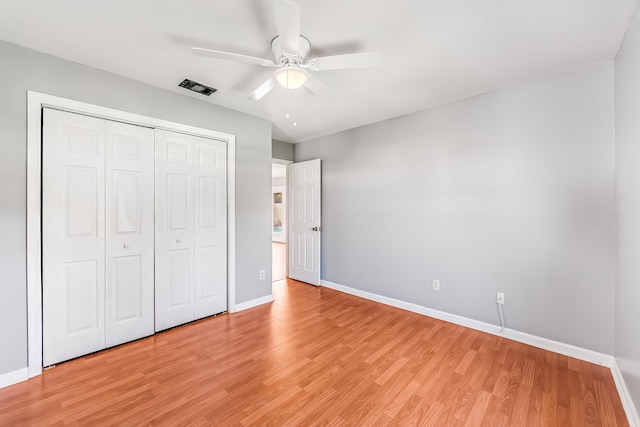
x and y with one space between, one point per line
290 50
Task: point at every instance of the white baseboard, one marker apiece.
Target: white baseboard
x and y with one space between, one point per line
580 353
252 303
544 343
625 397
14 377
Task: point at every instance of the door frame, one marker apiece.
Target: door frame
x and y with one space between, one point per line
286 234
35 102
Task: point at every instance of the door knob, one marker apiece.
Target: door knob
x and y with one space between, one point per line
178 241
125 246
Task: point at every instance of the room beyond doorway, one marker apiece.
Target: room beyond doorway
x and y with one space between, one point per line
279 221
279 261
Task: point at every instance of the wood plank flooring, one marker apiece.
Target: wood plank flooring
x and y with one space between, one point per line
318 357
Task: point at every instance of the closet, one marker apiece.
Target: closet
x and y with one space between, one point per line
133 231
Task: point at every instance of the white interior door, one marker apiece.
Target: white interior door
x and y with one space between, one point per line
73 235
174 230
304 191
210 240
129 232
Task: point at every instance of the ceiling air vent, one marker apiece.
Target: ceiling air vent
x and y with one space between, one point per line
197 87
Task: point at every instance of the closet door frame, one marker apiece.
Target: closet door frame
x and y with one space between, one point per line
35 103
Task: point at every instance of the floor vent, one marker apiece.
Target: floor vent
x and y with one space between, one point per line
197 87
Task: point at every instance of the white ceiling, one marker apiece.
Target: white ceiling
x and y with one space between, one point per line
436 51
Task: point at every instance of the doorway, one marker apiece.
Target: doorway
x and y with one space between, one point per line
279 221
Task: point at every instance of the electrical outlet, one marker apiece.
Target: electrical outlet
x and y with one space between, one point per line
435 285
262 274
500 298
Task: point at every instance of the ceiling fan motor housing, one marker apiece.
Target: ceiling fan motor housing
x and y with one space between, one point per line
287 58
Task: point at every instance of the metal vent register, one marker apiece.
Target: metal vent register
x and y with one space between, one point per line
197 87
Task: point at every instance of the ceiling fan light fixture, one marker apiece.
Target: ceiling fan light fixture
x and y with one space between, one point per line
291 77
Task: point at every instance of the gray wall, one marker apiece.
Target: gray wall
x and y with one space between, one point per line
21 70
627 95
510 191
281 150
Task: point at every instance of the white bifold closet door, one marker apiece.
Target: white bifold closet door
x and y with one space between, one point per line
130 233
97 234
191 224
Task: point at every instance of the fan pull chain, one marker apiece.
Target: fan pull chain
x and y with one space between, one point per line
286 114
295 98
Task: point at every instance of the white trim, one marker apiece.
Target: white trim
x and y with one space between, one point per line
252 303
231 223
14 377
281 161
625 397
35 102
544 343
34 233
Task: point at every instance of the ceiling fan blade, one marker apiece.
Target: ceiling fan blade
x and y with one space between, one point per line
232 57
350 60
288 23
263 89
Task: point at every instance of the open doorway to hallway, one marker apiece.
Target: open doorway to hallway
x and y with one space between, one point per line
279 221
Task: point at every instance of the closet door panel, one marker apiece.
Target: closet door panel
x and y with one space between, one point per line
130 232
210 227
179 266
174 295
177 199
73 238
127 292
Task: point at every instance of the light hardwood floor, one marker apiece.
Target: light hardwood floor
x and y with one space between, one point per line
318 357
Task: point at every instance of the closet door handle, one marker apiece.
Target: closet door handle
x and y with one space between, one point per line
125 246
178 241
